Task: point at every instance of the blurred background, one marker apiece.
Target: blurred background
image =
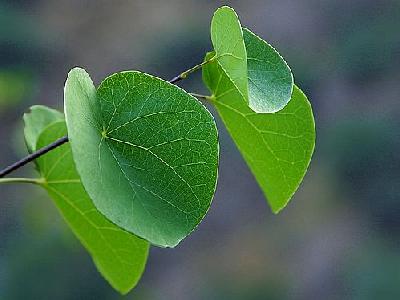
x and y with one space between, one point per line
339 238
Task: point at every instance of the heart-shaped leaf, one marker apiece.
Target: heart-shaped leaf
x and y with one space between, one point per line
119 256
277 147
256 69
146 151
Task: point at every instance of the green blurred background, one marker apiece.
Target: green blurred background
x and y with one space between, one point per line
339 238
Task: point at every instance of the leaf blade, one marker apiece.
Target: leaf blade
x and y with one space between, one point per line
270 78
160 145
36 120
229 47
282 159
257 70
118 255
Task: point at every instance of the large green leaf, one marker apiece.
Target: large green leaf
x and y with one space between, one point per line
230 51
255 68
119 256
146 151
270 78
277 147
36 120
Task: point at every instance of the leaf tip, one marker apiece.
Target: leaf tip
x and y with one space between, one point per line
225 9
230 10
77 73
278 209
76 70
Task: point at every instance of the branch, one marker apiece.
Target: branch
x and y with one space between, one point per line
33 156
193 69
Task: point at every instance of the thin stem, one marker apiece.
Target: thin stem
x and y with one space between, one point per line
33 156
204 97
193 69
22 180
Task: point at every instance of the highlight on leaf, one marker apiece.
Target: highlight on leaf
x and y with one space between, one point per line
254 67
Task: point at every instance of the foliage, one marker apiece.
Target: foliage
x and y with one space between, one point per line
142 160
158 142
118 255
277 147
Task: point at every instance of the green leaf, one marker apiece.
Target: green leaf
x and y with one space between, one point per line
146 151
36 120
255 68
230 51
277 147
119 256
270 79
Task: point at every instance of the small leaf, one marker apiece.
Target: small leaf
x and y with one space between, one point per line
146 151
230 51
119 256
255 68
270 78
36 120
277 147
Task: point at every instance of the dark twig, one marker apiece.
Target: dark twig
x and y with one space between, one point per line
33 156
176 79
193 69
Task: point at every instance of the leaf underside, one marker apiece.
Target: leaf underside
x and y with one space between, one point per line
119 256
146 151
269 76
277 147
256 69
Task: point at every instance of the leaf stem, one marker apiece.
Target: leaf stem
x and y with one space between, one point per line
22 180
200 96
193 69
33 156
